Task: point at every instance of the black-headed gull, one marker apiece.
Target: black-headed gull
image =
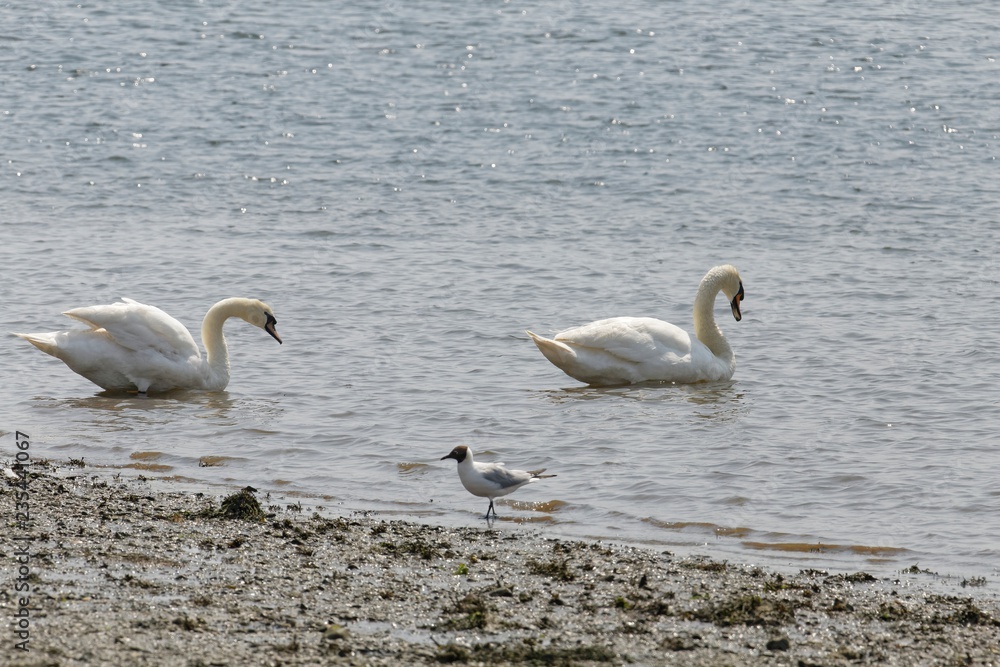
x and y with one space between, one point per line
490 480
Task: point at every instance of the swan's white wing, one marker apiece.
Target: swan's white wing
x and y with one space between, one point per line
140 328
634 339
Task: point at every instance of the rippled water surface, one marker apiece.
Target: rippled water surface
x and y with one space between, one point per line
411 185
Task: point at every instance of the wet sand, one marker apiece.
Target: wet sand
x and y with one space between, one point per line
124 571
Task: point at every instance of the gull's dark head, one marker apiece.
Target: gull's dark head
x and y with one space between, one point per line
459 453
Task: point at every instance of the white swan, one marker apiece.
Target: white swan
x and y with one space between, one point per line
626 350
131 346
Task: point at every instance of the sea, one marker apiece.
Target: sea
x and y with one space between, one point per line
412 185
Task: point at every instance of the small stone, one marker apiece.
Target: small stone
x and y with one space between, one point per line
502 592
779 644
334 633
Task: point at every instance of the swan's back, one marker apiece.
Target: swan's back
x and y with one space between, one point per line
139 327
634 339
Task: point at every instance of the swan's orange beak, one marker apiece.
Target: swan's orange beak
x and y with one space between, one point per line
735 304
269 327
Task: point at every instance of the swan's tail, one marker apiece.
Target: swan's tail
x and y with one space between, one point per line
46 342
558 353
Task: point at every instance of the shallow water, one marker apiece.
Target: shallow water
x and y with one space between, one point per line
412 186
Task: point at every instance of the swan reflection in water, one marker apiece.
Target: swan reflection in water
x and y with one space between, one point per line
186 429
117 404
713 400
109 412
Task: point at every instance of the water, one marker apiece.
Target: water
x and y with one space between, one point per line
411 185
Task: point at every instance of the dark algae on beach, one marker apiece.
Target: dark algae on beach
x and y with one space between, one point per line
128 571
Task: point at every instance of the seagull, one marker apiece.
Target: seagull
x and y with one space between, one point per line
490 480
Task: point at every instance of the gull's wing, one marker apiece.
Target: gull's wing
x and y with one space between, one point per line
504 478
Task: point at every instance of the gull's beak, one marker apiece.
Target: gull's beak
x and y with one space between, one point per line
735 304
450 455
269 327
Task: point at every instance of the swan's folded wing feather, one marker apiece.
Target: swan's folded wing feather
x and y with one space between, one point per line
635 339
139 327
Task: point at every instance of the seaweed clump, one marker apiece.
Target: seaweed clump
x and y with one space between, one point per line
242 506
746 610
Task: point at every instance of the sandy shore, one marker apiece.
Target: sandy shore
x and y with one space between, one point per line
125 572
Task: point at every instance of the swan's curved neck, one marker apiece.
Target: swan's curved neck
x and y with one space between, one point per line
705 328
215 343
